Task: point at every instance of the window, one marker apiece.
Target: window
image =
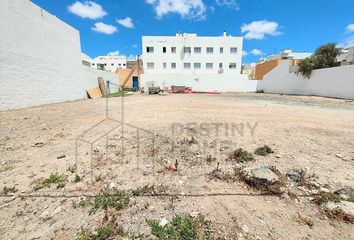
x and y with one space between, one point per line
197 50
210 50
164 49
124 64
112 64
150 49
232 66
221 50
197 65
209 65
187 66
119 64
150 65
93 64
173 65
164 65
233 50
220 65
173 50
187 50
105 64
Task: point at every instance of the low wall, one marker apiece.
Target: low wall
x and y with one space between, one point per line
329 82
207 82
28 81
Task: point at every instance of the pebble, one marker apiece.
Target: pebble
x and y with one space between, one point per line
163 222
277 156
194 214
45 215
62 155
218 175
339 155
295 176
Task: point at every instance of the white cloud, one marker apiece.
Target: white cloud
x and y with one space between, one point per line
126 22
257 52
350 28
258 29
101 27
228 3
244 53
188 9
87 9
348 42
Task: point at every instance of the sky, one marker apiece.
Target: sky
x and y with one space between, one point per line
268 26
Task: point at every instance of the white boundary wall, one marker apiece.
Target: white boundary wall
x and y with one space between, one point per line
40 58
329 82
207 82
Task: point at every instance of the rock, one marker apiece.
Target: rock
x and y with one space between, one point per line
245 228
56 211
345 191
339 155
9 199
326 190
110 185
260 175
295 176
163 222
62 155
45 215
218 175
277 156
345 207
194 214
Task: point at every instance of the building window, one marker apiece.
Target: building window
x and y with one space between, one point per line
124 64
112 64
233 50
93 64
197 65
173 50
197 50
210 50
164 65
150 49
119 64
187 65
209 65
232 66
187 50
164 49
221 50
150 65
105 64
220 65
173 65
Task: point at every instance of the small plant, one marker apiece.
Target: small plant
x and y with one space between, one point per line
181 228
118 200
210 159
147 189
54 178
263 151
7 190
77 179
110 230
72 168
325 197
241 155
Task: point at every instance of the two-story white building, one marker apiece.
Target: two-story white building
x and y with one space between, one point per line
203 63
111 62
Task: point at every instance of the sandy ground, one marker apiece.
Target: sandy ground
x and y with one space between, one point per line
312 133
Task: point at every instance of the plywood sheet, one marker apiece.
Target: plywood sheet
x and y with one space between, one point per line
94 92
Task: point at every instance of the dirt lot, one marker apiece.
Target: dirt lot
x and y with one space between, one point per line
162 161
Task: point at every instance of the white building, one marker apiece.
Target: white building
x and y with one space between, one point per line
346 57
288 54
111 62
204 63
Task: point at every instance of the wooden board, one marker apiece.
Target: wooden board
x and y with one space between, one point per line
102 86
94 92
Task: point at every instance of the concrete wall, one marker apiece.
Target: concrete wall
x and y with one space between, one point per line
329 82
207 82
40 58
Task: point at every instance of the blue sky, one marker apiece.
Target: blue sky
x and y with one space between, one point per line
267 25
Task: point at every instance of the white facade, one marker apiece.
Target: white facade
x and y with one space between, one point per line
328 82
191 60
110 62
188 53
288 54
40 58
